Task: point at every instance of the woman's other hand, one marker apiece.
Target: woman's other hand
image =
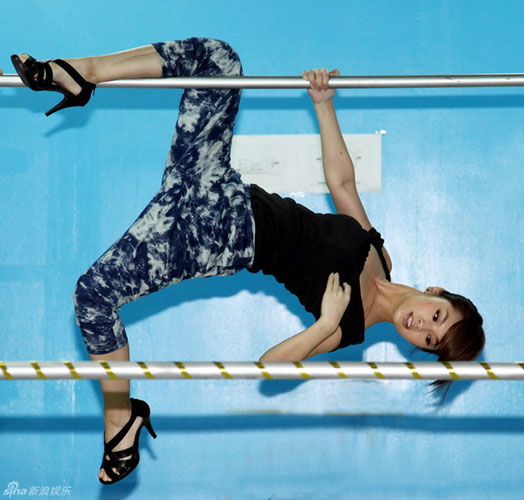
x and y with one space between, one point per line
319 79
334 301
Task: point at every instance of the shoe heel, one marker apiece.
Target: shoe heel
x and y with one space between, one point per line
71 100
149 427
64 103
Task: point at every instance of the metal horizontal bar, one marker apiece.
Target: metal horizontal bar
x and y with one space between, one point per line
294 82
53 370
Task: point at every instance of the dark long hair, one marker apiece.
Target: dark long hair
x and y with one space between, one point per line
463 341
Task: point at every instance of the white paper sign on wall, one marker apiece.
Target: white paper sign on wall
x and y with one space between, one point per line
293 163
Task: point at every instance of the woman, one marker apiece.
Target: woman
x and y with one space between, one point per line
204 221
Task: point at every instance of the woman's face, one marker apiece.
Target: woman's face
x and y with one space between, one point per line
423 319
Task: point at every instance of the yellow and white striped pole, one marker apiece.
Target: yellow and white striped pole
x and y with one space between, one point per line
102 370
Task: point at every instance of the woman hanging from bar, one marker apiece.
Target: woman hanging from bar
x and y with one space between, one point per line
204 221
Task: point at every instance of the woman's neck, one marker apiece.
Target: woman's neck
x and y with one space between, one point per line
386 299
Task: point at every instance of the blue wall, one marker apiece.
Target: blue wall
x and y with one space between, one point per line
450 210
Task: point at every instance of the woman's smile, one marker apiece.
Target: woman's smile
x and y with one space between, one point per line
408 320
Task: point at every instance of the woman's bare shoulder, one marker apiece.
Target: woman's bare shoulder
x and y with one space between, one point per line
387 257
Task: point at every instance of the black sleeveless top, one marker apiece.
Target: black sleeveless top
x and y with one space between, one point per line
301 248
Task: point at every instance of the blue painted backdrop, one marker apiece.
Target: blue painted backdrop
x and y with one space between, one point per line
450 210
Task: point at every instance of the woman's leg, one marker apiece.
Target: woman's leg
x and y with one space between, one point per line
117 407
142 62
148 257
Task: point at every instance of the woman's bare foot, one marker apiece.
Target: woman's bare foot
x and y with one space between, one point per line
84 66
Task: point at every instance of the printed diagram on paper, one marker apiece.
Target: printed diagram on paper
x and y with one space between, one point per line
293 163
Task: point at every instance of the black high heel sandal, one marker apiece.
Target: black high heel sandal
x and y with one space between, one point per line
119 464
38 75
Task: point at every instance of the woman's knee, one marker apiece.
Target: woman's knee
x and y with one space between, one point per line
97 318
89 298
225 57
84 293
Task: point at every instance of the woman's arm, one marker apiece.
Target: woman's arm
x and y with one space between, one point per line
338 166
313 340
324 334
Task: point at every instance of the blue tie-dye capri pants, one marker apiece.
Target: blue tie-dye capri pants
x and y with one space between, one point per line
200 222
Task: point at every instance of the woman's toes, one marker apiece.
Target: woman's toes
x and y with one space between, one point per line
102 475
23 57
